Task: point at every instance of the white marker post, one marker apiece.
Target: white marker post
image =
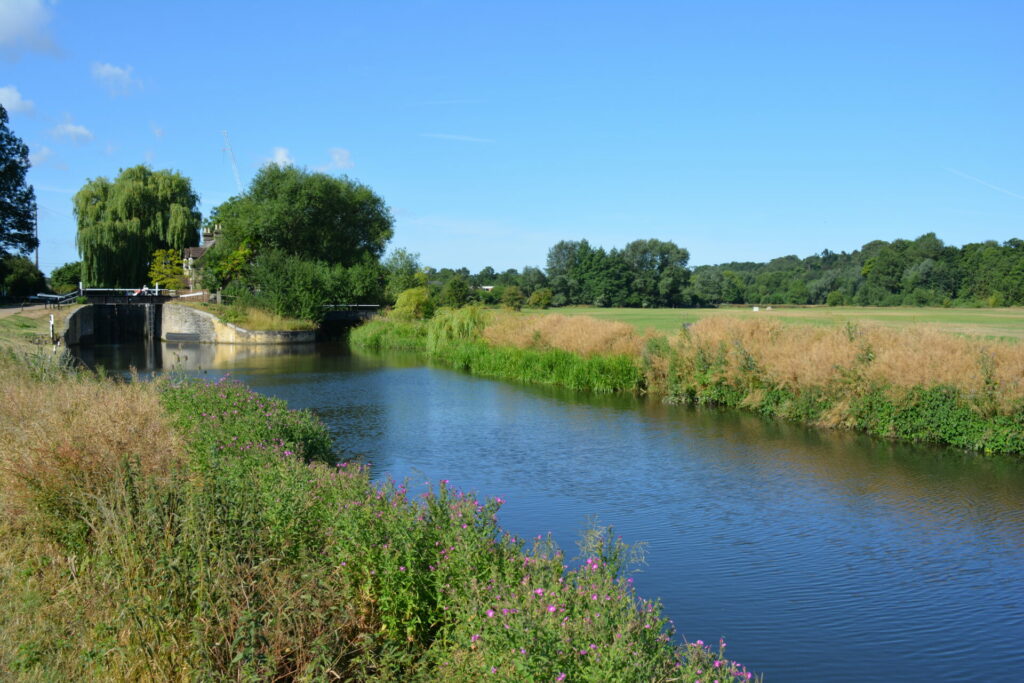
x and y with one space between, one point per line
52 340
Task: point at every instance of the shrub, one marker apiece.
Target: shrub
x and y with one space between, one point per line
512 297
541 298
414 304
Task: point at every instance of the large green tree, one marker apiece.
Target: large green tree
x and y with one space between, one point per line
17 198
658 272
19 277
65 278
309 215
122 223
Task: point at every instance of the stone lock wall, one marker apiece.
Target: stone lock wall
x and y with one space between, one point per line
186 324
116 323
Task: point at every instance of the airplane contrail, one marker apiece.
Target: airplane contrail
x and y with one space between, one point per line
986 184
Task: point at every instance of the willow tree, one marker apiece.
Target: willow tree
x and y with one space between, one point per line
122 223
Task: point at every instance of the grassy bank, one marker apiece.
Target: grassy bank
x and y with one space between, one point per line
28 328
980 322
914 383
185 530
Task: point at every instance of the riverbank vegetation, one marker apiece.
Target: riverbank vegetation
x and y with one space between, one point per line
914 384
184 529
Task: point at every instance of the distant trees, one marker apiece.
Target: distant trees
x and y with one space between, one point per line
916 272
17 198
402 269
644 273
455 292
122 223
923 271
65 278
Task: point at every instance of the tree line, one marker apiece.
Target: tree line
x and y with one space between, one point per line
296 240
654 273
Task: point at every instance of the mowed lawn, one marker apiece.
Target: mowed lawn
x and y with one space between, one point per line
981 322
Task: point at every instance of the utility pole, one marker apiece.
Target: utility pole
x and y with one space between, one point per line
35 226
234 164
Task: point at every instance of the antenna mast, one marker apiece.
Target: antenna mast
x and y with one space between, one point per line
234 164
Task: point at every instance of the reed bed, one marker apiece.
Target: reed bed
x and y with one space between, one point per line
389 334
575 334
902 359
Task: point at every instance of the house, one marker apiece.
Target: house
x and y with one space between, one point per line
192 255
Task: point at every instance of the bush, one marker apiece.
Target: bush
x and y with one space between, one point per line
414 304
541 298
512 297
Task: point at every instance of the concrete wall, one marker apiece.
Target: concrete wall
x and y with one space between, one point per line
186 324
116 323
111 324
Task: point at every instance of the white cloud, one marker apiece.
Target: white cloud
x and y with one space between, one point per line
282 157
117 80
340 159
23 28
158 132
40 156
448 136
13 101
72 131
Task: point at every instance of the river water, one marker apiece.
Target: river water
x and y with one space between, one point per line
817 555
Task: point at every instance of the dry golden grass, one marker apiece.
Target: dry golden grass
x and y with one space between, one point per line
577 334
74 434
806 356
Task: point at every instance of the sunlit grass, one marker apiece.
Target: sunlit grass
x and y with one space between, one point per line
983 322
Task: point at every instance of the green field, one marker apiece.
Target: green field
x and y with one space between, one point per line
982 322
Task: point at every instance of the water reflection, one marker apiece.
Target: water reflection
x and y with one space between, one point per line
820 555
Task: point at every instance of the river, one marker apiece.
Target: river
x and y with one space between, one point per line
817 555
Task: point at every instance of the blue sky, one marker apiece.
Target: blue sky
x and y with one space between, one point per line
740 130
